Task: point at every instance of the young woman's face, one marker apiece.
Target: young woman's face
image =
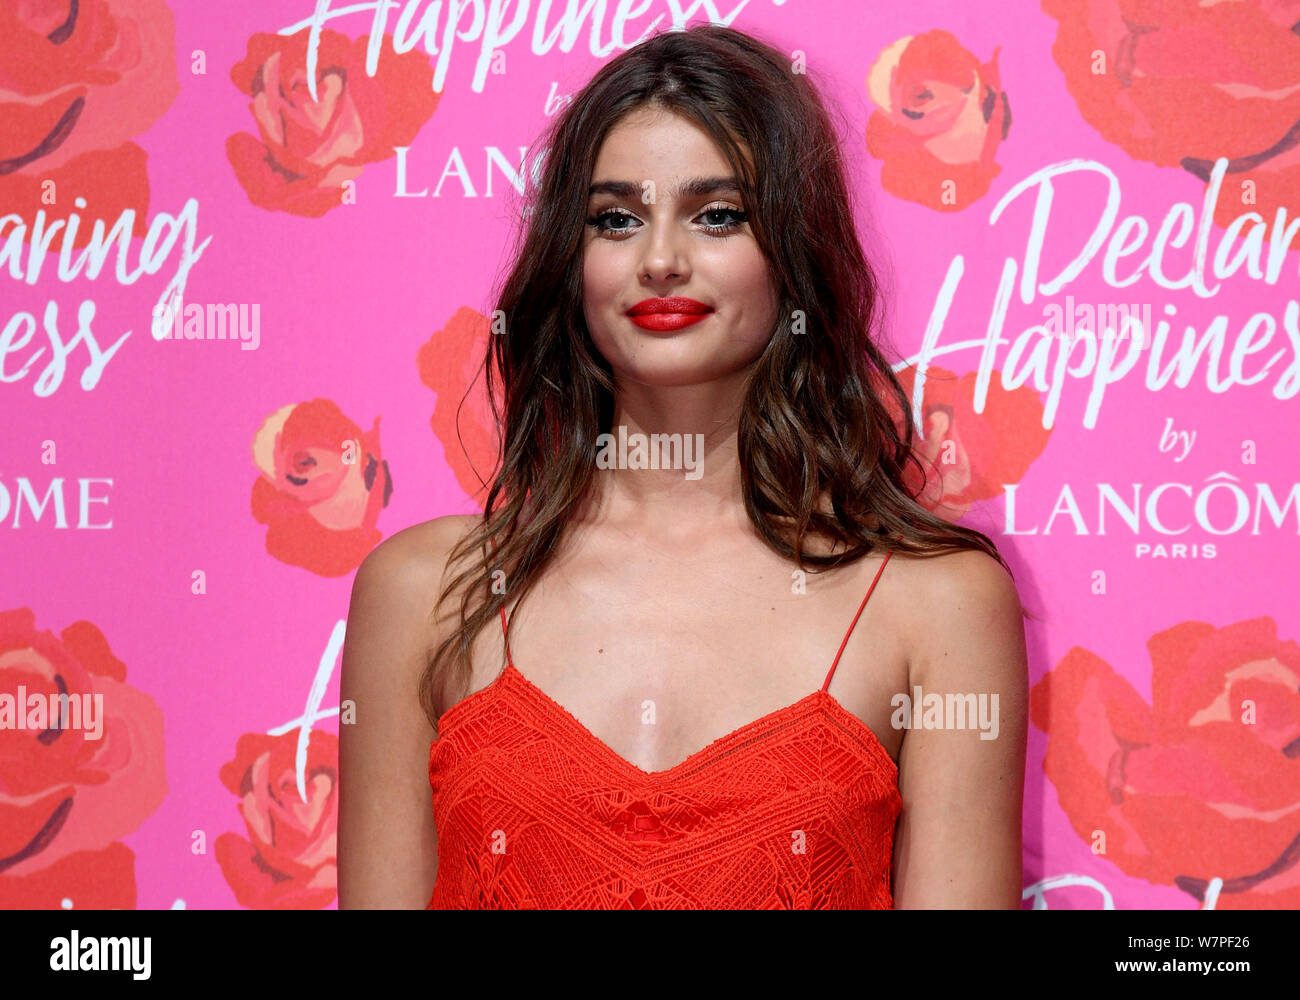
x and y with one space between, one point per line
652 240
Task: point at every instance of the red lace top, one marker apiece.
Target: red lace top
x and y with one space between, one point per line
795 810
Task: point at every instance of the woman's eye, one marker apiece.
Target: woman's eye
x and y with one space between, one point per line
736 215
603 222
600 221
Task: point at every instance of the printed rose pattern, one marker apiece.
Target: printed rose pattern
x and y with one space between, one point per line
76 82
306 149
1182 83
449 363
941 117
1203 783
969 456
67 799
322 486
287 862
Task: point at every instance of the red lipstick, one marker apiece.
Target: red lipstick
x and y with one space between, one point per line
668 314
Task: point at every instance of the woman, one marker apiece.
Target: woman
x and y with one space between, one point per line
697 705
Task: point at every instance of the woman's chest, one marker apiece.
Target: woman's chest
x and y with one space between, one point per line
657 662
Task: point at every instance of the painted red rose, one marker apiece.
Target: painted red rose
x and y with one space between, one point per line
323 483
968 456
942 116
77 80
306 149
450 363
288 860
68 795
1203 783
1182 82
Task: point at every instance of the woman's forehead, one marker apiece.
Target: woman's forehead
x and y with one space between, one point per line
669 148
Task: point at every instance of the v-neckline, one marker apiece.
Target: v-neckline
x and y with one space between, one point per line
641 774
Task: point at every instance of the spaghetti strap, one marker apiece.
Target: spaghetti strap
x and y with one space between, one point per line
505 636
845 642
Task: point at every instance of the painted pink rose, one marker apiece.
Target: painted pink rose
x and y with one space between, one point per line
78 80
306 149
323 483
287 861
941 116
1183 82
1200 788
68 794
966 456
450 364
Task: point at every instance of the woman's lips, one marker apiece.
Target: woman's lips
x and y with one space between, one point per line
666 314
662 321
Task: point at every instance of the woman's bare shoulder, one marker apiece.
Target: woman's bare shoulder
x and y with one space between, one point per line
963 574
401 579
964 614
417 555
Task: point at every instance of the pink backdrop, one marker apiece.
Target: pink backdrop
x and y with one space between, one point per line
181 522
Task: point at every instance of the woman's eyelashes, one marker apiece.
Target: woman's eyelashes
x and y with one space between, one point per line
600 221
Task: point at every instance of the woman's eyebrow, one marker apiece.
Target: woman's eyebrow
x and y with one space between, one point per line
696 187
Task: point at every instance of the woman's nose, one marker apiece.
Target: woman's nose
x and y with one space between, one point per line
663 257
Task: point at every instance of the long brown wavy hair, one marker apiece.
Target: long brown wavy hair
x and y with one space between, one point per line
814 428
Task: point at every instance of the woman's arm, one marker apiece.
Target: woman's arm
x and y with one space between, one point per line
957 844
387 843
